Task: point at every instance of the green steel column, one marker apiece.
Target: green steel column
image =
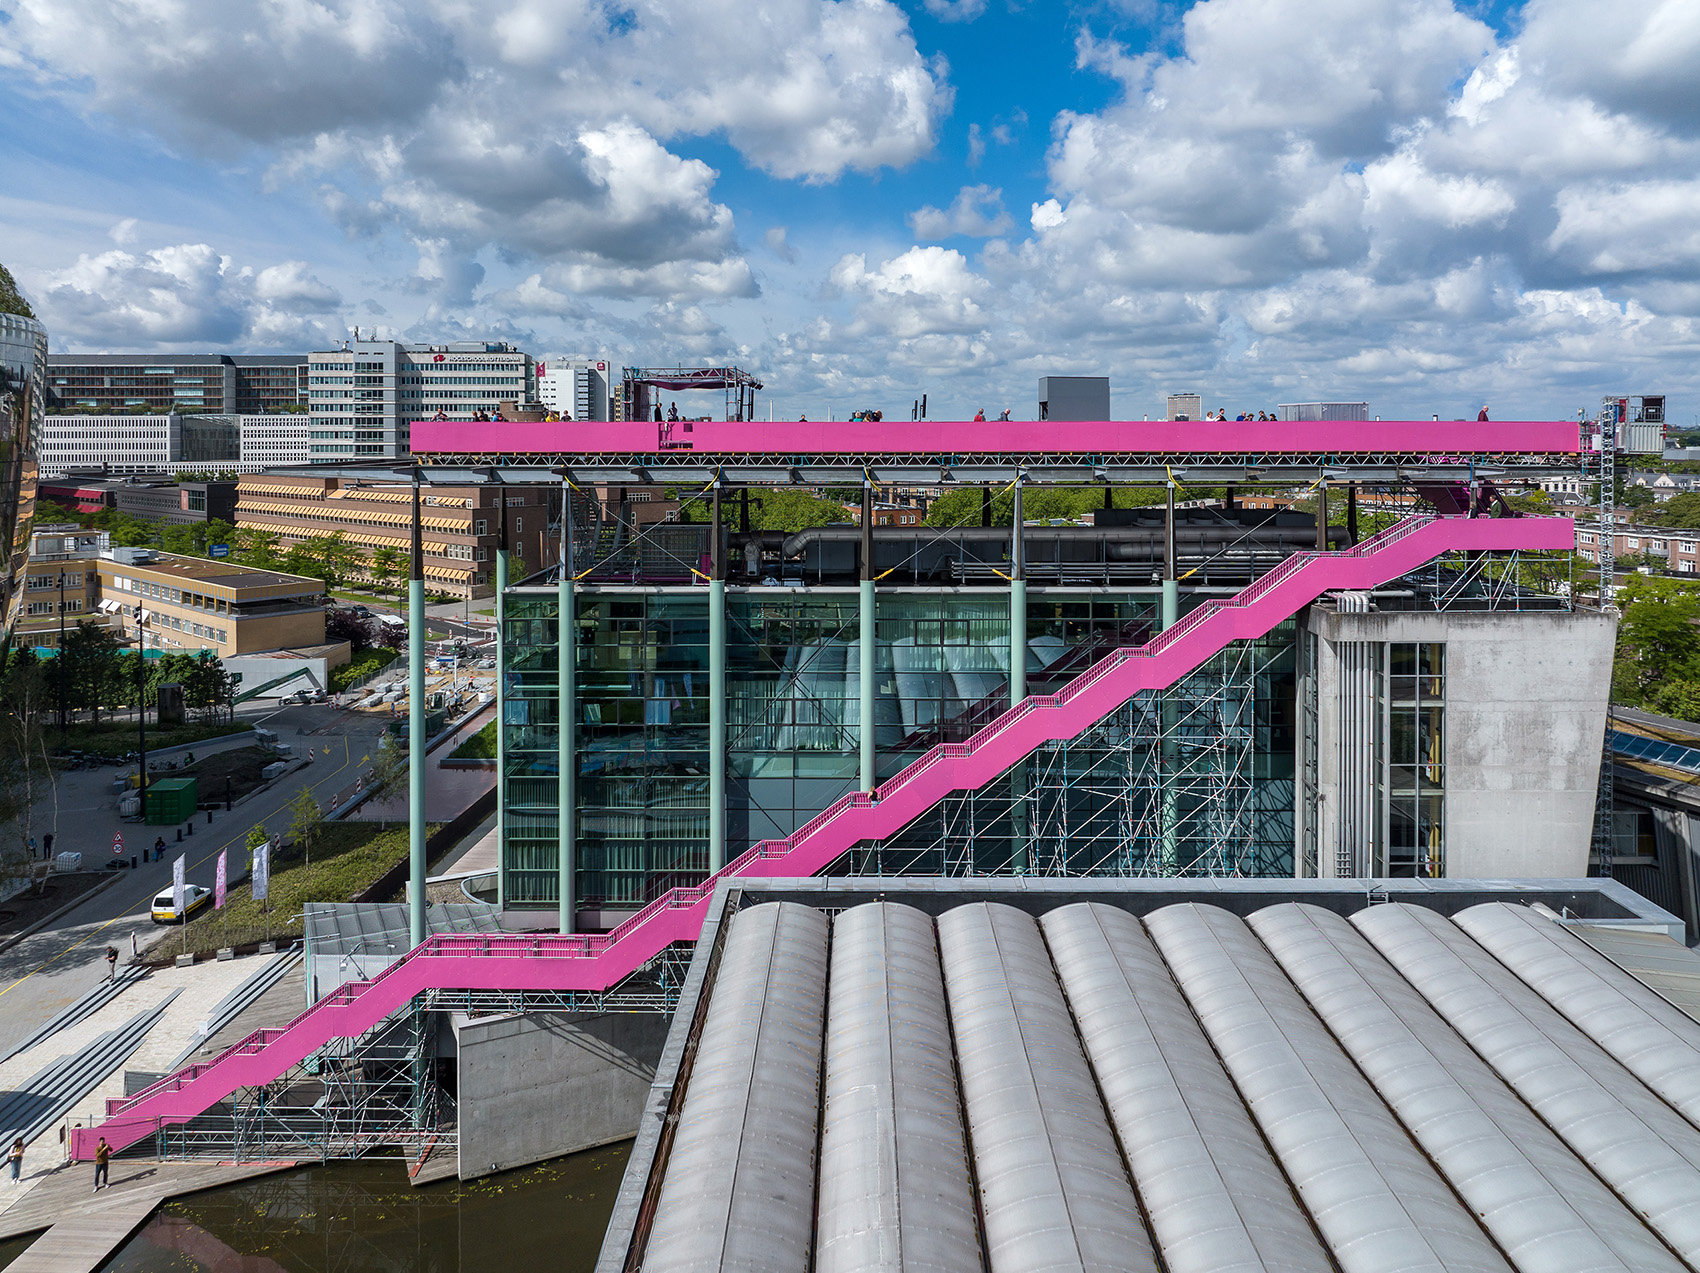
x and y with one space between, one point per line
1019 847
501 689
416 733
865 647
716 694
1168 753
1017 606
566 635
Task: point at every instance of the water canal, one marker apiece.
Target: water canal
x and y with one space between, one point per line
363 1217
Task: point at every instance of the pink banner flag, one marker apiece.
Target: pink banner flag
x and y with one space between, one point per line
218 881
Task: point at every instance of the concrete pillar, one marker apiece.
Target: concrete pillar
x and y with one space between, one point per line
566 633
865 645
716 693
416 732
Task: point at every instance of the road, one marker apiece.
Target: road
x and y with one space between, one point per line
49 969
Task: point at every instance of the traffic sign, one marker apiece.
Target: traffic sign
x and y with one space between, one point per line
117 843
219 550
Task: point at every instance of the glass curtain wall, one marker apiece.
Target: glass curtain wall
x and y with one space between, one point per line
793 721
1416 759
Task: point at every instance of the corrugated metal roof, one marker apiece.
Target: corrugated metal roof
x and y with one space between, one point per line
1189 1091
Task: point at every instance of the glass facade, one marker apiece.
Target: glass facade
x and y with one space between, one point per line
23 366
1416 759
794 719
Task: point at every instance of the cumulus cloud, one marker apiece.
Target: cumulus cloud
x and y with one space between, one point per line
408 116
977 212
186 294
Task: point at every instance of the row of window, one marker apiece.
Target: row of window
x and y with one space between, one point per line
1633 542
73 579
73 605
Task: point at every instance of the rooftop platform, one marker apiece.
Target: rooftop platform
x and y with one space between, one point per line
1056 452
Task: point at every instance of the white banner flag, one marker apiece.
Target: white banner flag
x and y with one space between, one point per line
177 886
219 882
262 870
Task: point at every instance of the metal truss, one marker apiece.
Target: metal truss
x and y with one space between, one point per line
1036 467
381 1091
1164 786
1486 581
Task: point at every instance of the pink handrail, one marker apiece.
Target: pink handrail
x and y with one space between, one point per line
596 962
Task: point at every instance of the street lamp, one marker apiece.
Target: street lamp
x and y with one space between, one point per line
141 709
61 659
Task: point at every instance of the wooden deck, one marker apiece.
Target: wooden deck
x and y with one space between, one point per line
84 1228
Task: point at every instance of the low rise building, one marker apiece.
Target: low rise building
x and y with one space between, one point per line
1681 548
191 603
460 524
62 585
174 503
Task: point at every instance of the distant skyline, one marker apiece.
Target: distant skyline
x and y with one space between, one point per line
1419 204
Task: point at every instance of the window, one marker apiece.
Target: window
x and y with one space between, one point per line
481 527
1415 769
481 553
519 525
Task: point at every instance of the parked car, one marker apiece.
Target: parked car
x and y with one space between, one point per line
165 908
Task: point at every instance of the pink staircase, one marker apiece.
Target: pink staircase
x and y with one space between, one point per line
596 962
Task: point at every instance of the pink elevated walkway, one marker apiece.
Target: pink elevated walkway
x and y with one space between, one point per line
596 962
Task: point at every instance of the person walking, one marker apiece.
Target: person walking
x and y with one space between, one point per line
159 849
112 963
102 1157
16 1158
1482 414
47 846
32 848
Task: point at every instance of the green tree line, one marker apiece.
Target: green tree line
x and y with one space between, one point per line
100 675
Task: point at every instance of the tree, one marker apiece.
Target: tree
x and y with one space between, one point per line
345 625
387 779
1658 647
386 567
26 695
1679 512
11 299
93 669
258 548
306 820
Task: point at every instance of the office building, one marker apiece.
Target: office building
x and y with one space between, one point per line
460 525
62 581
363 396
23 373
273 441
577 387
1185 406
174 503
228 384
152 445
192 603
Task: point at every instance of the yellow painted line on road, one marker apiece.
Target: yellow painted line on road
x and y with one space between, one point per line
148 897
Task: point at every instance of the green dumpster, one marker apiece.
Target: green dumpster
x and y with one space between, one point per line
171 800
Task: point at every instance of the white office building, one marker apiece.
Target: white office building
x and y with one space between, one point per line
579 388
364 397
121 445
268 441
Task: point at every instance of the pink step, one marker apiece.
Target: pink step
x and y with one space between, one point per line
596 962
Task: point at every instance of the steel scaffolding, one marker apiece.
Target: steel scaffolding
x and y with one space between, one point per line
1164 786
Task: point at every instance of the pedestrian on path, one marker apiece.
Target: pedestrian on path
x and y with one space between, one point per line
159 849
112 963
47 846
16 1158
102 1156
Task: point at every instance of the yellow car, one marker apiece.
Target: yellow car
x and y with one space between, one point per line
165 905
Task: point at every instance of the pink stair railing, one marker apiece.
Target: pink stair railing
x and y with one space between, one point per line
594 962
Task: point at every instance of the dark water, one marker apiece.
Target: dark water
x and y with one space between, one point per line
354 1217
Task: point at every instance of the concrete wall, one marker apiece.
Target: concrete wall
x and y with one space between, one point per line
539 1086
1526 701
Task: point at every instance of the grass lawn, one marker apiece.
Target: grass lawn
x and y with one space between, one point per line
362 664
348 857
481 746
116 738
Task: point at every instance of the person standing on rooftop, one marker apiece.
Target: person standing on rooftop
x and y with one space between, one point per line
1482 414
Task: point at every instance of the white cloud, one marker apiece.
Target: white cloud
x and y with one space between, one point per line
955 10
186 294
977 212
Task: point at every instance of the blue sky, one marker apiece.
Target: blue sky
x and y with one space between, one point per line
1418 203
